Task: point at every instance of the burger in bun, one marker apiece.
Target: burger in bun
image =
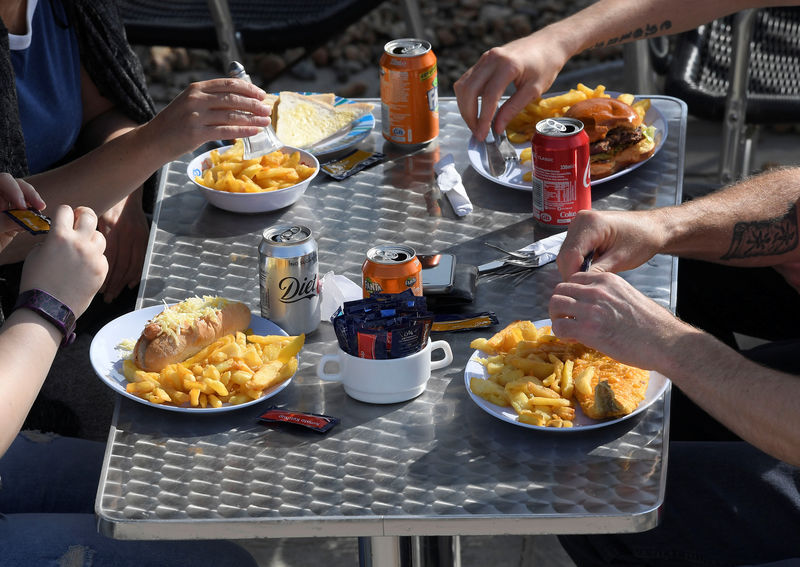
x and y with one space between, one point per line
617 138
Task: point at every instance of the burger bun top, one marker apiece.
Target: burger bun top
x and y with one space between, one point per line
601 115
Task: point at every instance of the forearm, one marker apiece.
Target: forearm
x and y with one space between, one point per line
28 345
753 223
761 405
99 180
613 22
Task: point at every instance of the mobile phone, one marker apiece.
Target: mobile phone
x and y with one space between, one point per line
438 271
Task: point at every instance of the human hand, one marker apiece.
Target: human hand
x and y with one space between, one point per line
603 311
69 264
621 240
15 194
217 109
531 63
126 231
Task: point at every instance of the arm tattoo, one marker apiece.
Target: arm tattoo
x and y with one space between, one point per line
648 30
764 238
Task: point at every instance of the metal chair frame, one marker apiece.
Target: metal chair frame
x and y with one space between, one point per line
740 131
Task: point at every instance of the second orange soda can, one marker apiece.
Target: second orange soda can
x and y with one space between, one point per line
391 268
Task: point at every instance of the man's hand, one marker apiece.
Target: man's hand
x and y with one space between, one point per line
620 240
531 63
603 311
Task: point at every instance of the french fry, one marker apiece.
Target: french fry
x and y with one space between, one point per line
229 172
234 369
489 391
539 376
522 127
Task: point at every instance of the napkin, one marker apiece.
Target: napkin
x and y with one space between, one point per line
334 291
546 249
449 182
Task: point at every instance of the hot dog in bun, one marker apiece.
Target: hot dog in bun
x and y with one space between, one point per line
185 328
617 138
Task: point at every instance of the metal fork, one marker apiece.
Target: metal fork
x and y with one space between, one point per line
507 151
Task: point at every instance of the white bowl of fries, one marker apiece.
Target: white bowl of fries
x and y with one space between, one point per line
265 183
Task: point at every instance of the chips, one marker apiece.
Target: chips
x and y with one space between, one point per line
542 378
234 369
270 172
522 127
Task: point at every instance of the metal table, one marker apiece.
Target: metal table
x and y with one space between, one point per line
434 466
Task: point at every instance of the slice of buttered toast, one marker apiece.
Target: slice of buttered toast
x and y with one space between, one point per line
302 121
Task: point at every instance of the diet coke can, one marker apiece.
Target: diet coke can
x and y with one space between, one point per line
409 92
561 176
288 269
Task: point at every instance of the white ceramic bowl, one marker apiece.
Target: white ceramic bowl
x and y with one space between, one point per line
251 202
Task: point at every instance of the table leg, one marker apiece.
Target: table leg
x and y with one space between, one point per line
380 551
414 551
436 551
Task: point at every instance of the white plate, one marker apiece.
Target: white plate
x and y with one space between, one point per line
513 178
655 387
107 358
360 130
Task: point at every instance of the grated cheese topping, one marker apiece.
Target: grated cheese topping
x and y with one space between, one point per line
186 313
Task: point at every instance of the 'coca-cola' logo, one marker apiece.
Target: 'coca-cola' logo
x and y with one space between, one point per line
293 290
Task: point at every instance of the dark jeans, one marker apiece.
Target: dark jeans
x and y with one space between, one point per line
726 504
722 301
47 498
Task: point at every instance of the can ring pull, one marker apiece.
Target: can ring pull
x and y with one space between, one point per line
556 124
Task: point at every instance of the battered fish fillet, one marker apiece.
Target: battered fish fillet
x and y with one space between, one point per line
616 389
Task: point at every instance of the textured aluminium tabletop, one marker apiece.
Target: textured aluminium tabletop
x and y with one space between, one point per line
436 465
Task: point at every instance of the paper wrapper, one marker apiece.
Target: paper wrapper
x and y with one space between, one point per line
449 182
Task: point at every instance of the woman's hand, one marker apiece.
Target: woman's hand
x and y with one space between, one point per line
218 109
15 194
69 264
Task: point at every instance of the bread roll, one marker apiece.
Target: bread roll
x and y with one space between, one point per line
186 328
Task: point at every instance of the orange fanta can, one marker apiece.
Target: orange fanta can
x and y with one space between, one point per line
409 92
391 268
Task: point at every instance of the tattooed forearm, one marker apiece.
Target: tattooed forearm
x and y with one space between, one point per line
648 30
764 238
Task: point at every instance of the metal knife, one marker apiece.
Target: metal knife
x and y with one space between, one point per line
497 165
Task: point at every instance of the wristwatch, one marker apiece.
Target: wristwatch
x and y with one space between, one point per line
51 309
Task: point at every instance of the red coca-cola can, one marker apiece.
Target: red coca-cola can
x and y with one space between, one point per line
561 177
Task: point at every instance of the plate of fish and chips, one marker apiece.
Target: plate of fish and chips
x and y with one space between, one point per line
522 127
526 376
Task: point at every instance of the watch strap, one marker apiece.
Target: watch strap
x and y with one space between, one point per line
50 309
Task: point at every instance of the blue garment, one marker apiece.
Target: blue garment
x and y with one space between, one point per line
47 491
48 80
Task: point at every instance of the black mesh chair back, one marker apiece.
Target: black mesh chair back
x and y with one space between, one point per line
264 25
699 73
744 70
